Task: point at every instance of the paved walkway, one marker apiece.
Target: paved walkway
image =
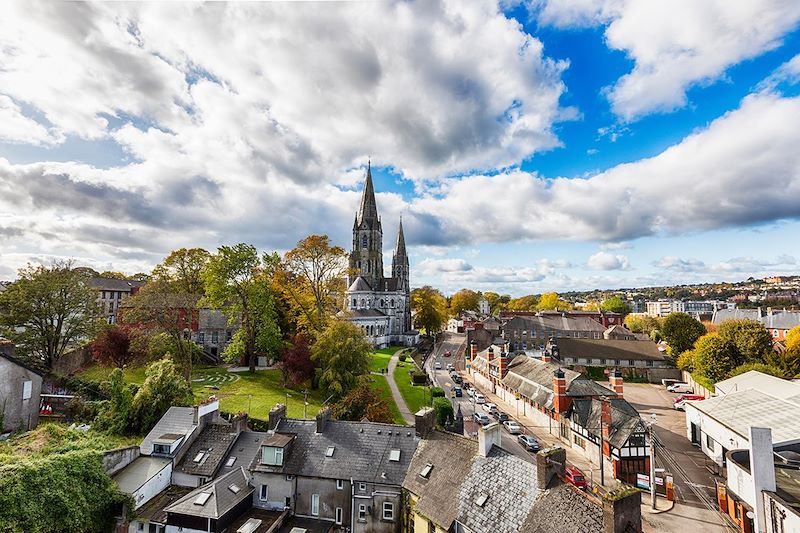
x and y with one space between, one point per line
408 416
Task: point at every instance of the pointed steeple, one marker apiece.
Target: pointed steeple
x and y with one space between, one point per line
400 247
368 210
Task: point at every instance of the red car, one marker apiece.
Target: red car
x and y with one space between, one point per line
692 397
573 476
447 353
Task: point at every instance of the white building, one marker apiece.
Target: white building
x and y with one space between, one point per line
483 306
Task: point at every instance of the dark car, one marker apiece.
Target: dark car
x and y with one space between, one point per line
501 417
466 384
458 392
529 443
458 379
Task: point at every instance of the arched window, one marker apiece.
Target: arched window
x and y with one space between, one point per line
382 302
355 304
391 302
364 242
362 302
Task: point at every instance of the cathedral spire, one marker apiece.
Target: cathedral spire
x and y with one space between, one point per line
368 210
400 248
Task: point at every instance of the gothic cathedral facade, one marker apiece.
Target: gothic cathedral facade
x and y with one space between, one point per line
380 306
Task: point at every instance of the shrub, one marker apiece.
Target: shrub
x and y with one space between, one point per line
419 377
437 392
715 357
686 361
363 402
443 409
403 357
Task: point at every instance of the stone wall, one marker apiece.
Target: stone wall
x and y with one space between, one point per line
117 459
72 361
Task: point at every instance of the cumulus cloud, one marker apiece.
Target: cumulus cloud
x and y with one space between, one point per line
607 261
674 44
679 264
735 265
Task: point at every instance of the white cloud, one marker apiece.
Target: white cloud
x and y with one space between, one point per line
679 264
675 44
789 73
16 127
745 265
608 261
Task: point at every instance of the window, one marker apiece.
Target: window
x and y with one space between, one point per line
362 487
394 455
388 511
364 241
631 362
649 363
263 493
201 337
709 443
339 484
355 303
230 461
426 470
616 362
160 448
330 451
315 504
391 302
272 456
214 337
199 457
234 488
636 441
228 336
339 515
362 512
202 498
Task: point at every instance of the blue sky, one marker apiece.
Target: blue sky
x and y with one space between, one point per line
529 146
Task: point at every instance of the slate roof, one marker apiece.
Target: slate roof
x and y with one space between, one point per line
222 499
389 284
7 352
625 419
176 421
361 451
783 320
244 449
153 510
135 475
214 442
359 284
366 313
609 349
514 501
111 284
721 315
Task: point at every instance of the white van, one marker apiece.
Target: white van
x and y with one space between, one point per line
480 398
680 387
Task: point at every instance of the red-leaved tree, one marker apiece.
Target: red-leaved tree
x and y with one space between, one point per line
112 346
297 365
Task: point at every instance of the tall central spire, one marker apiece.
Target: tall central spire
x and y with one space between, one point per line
400 248
368 210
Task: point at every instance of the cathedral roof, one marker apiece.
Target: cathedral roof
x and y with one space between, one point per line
359 285
368 209
366 313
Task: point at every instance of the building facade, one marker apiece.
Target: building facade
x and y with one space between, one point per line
20 387
380 306
110 294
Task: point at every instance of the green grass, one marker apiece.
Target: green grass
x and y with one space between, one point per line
380 384
379 361
416 397
95 372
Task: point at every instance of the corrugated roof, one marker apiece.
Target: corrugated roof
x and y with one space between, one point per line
753 379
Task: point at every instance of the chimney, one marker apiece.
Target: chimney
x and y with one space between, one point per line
762 467
615 379
606 421
425 421
622 510
503 367
490 353
473 350
322 418
239 423
561 402
549 464
546 356
488 436
275 415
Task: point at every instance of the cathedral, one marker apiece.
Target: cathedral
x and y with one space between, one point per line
381 306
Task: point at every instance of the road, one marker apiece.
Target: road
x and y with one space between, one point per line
455 343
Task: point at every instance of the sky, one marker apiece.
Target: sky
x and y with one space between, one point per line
528 145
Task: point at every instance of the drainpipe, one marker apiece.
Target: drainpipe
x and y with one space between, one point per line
352 505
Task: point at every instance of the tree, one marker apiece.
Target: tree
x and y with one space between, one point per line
715 357
363 402
183 268
464 300
444 410
48 311
314 284
493 298
296 364
237 281
642 324
793 338
615 304
686 361
113 346
551 301
681 331
758 367
524 303
115 415
431 309
751 338
163 387
342 355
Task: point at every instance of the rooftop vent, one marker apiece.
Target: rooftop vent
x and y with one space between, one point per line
426 470
329 451
379 432
394 455
234 488
202 498
481 500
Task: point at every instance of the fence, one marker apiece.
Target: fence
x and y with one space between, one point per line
698 389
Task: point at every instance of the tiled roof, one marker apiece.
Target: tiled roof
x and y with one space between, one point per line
224 493
243 450
176 421
625 419
111 284
361 451
211 446
564 509
609 349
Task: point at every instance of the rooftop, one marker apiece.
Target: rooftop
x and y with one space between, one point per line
609 349
216 498
244 449
774 386
135 475
113 284
208 450
153 510
177 422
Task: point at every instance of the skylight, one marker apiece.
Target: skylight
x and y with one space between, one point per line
202 498
394 455
199 457
234 488
426 470
482 497
230 461
329 452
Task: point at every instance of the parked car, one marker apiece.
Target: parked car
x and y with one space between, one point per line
458 379
447 353
457 391
683 397
481 418
450 367
529 443
470 392
437 365
490 407
480 398
500 416
680 387
512 427
467 385
573 476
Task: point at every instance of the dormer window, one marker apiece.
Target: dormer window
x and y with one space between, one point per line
272 456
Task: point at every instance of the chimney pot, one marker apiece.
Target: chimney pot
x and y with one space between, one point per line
488 436
322 418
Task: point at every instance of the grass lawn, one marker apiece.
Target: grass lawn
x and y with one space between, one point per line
416 397
381 385
380 358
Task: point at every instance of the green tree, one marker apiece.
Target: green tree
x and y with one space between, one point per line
715 357
443 409
493 298
750 338
642 324
686 361
759 367
615 304
550 301
342 354
431 309
48 311
464 300
363 402
183 269
524 303
681 331
115 415
237 281
163 387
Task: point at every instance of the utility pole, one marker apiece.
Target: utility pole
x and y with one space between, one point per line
305 404
652 467
602 473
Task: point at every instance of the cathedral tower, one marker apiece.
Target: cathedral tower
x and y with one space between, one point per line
366 259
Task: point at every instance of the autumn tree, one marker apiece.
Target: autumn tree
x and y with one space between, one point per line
296 364
715 357
523 303
183 269
642 324
363 402
464 300
163 387
48 311
681 331
615 304
314 278
493 298
113 346
751 338
551 301
793 338
341 354
431 309
239 282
